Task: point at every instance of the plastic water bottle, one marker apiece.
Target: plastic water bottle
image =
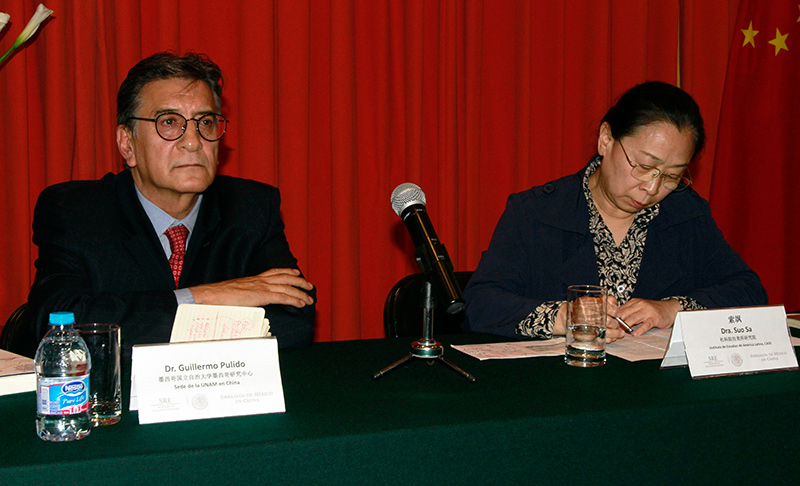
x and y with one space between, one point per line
62 382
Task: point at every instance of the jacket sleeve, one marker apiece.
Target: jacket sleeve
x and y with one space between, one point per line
723 279
502 291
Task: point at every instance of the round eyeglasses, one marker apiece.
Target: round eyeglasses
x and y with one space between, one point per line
647 173
172 126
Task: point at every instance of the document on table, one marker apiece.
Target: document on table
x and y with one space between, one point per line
515 349
196 322
16 373
651 345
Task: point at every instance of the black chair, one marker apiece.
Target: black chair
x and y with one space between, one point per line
402 312
17 335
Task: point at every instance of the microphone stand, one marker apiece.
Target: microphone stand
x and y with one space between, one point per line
427 347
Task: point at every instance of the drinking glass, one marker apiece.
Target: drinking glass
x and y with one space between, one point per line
105 394
586 326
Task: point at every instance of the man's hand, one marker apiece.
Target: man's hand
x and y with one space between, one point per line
275 286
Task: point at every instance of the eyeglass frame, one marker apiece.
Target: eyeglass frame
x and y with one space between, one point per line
185 124
686 179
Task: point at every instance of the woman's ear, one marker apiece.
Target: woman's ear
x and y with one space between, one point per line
604 139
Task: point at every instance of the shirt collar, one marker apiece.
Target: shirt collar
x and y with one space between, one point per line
161 220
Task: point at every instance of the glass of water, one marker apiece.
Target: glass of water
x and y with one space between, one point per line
103 341
586 326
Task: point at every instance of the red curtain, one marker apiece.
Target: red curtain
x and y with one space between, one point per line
339 101
753 195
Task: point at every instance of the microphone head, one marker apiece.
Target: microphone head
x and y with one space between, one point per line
405 195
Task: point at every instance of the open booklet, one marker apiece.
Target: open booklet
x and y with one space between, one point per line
196 322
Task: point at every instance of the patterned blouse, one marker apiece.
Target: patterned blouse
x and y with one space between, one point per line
618 266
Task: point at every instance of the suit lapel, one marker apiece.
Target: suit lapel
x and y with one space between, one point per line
659 270
139 237
580 266
204 229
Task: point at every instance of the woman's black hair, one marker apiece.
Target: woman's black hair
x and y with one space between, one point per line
652 102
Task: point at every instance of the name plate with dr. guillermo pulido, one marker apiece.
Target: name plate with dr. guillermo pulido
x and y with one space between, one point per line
731 341
206 379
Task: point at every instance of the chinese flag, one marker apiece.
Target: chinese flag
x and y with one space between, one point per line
755 188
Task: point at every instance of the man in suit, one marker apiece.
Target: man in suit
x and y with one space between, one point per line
130 247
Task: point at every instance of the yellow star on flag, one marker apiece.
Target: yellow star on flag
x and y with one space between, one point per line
779 41
749 35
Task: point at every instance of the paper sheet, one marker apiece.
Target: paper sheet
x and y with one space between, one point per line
652 345
16 373
196 322
515 349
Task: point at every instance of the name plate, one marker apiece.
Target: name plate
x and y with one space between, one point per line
206 379
731 341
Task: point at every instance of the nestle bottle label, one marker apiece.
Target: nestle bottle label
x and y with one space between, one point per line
63 395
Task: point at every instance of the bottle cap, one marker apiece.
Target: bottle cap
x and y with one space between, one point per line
61 318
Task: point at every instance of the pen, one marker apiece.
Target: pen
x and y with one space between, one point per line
624 324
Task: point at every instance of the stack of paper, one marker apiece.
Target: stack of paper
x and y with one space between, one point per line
16 373
195 322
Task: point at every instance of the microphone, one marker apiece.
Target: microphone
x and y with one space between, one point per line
408 201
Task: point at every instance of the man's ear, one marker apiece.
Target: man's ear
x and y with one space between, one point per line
125 145
604 139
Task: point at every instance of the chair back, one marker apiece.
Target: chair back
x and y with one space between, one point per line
403 313
17 335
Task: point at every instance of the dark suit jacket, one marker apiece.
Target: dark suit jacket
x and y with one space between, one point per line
100 257
542 245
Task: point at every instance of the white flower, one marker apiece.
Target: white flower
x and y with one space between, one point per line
39 16
4 18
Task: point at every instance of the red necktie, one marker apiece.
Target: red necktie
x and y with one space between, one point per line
177 243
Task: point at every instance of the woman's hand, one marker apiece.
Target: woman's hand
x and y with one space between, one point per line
613 331
647 314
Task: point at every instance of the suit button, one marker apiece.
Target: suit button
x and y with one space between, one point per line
548 188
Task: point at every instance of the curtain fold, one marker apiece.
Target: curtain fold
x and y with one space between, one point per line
338 101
